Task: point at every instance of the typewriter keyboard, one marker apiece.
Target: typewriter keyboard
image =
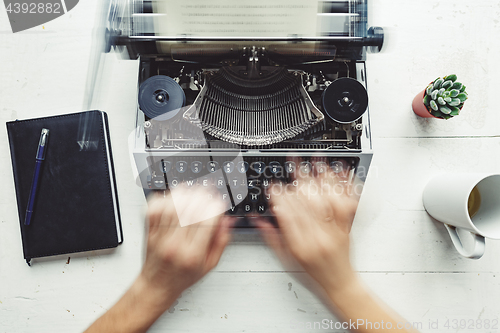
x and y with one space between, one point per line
243 183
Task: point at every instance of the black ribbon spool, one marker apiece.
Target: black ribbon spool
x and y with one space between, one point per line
345 100
160 97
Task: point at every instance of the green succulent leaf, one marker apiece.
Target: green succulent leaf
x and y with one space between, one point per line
441 101
455 102
451 77
438 83
462 89
445 109
454 92
462 97
446 94
427 99
457 85
454 111
441 91
433 105
447 99
447 84
437 114
428 90
434 94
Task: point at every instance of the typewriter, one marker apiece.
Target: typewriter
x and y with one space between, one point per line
248 98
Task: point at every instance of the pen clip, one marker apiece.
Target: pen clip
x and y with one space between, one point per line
40 154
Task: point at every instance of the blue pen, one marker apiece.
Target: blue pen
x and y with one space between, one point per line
40 156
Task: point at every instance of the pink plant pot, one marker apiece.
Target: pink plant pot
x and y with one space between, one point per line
419 107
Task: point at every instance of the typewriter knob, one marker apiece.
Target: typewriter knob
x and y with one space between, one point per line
161 97
375 36
345 100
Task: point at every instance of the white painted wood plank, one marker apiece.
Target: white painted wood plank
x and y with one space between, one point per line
426 40
430 297
247 302
44 68
391 228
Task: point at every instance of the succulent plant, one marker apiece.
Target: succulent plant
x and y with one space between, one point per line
445 97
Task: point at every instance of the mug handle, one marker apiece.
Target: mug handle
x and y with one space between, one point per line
479 243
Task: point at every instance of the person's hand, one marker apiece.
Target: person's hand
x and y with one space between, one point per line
315 219
176 256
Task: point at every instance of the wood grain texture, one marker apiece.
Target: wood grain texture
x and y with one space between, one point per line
426 40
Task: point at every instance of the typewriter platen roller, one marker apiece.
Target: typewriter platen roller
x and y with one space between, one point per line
238 110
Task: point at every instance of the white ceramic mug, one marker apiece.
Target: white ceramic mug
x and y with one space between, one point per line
446 198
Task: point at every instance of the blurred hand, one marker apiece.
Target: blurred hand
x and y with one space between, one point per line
177 257
315 219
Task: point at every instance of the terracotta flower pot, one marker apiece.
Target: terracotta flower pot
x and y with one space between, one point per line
419 107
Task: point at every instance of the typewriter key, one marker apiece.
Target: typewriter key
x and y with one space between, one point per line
181 166
173 183
320 167
275 167
235 183
248 207
205 182
212 166
252 183
228 167
337 166
220 183
254 197
196 166
290 167
158 182
261 208
225 199
305 168
239 196
258 167
190 182
165 166
242 167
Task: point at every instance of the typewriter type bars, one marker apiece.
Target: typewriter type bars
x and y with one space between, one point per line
255 112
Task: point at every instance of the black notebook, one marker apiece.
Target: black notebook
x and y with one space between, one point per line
76 207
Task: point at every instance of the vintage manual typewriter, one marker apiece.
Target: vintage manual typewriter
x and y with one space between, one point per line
237 95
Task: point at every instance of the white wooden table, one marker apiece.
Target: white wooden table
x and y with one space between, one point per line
404 256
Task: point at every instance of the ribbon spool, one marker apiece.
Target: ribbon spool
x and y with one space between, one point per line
345 100
161 98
